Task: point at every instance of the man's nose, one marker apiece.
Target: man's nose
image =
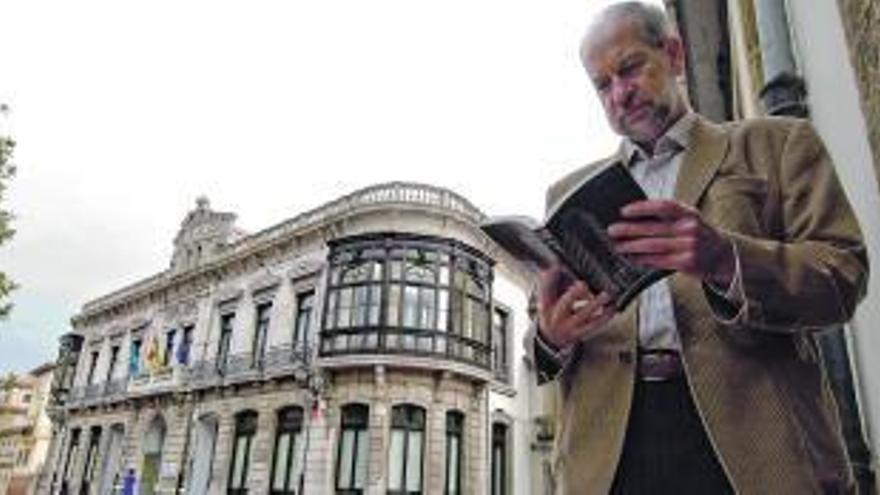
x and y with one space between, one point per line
621 92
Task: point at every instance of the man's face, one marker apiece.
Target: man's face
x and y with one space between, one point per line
635 80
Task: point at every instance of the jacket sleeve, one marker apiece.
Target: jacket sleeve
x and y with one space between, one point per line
811 271
543 356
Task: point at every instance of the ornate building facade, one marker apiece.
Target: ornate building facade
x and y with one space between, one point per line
371 345
25 429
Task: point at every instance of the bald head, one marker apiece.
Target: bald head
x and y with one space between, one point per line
634 58
649 21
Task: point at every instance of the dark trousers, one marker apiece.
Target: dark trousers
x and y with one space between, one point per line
666 448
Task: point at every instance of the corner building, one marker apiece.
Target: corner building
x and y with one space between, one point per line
369 346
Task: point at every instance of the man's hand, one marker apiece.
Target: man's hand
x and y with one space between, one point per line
568 314
666 234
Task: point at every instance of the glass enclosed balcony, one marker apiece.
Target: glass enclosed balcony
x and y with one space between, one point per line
404 294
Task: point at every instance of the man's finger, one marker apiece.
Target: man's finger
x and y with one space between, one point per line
654 245
549 281
666 209
680 262
589 321
623 230
563 306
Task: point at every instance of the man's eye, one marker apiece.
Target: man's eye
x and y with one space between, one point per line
601 86
629 68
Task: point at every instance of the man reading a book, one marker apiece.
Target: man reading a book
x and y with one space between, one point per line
712 382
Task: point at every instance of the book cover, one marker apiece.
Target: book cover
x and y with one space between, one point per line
575 236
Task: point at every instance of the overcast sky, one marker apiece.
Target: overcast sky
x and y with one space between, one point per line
125 112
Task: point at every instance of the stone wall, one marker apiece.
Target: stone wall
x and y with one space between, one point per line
861 20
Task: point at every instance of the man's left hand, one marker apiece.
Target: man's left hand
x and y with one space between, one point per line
666 234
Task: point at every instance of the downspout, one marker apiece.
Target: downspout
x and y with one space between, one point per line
784 91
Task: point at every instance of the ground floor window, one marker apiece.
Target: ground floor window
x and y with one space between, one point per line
245 430
405 452
454 434
499 459
352 456
91 457
287 458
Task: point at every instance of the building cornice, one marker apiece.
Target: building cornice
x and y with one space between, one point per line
392 195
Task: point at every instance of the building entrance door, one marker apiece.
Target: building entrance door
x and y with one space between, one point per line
202 455
111 472
154 441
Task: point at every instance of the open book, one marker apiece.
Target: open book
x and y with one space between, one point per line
574 235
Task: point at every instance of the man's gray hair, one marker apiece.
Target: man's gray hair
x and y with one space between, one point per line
654 24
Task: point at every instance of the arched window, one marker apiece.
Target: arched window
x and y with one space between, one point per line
287 458
72 453
500 461
245 430
352 456
406 450
454 435
152 447
88 474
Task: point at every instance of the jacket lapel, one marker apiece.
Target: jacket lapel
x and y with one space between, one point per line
708 146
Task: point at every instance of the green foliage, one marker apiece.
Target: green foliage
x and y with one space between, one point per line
7 171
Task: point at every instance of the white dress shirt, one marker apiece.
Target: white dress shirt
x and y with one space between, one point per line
658 174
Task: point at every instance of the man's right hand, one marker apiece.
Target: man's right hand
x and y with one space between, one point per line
567 314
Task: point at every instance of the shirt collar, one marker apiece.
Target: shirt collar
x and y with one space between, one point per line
676 138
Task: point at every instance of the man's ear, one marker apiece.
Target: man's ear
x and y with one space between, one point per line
674 49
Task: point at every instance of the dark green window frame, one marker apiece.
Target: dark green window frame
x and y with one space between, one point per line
242 443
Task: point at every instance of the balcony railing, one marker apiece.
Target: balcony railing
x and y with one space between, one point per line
430 343
238 368
163 380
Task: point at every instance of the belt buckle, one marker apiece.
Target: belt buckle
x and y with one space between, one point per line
659 365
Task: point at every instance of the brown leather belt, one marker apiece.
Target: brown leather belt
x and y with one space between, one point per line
659 365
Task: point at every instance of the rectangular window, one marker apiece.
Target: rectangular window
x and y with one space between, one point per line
261 333
305 302
361 305
225 341
93 364
500 365
183 350
134 358
169 347
114 358
343 309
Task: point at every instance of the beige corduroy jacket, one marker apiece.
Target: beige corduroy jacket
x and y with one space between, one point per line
757 379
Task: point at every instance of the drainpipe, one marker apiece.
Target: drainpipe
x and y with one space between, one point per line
784 92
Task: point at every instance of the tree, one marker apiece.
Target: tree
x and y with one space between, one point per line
7 171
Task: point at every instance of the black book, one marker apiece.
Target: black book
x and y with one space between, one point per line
575 236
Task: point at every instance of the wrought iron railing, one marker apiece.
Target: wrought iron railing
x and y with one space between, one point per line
235 368
275 362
